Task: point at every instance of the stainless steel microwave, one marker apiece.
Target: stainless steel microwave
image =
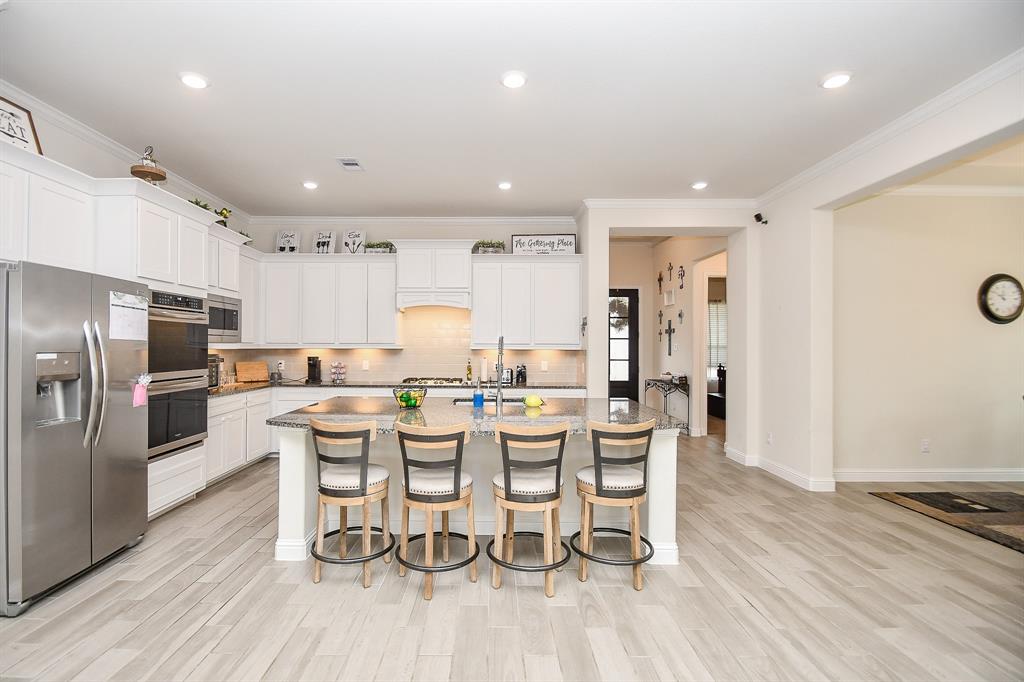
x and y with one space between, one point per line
225 322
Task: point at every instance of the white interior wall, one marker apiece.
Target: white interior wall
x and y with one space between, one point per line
703 269
914 358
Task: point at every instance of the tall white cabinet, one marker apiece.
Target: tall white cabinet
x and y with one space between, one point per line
282 291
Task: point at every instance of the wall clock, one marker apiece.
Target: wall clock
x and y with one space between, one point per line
1000 298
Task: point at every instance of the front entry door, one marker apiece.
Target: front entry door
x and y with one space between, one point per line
623 343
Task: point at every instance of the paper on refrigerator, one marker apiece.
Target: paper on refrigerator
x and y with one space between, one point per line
129 317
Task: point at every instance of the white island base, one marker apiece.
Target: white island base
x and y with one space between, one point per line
297 493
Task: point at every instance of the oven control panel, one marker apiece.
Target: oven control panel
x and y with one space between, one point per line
166 300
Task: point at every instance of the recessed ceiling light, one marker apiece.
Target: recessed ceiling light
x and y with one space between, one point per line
513 79
504 185
309 184
194 80
835 80
700 184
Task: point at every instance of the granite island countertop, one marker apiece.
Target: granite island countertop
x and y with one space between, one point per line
442 412
235 389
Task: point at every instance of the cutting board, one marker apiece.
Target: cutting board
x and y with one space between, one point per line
251 371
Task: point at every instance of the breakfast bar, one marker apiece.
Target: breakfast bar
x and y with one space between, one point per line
482 459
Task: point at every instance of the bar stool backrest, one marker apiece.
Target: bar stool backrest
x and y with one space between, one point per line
326 434
531 438
433 438
622 435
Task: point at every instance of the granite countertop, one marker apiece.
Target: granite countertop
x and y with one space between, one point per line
441 412
235 389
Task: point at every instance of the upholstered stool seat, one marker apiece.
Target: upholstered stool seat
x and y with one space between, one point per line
614 477
528 482
437 481
346 476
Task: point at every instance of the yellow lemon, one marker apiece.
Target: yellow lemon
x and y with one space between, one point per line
532 412
533 400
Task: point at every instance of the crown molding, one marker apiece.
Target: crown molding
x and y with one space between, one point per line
72 126
987 77
669 204
356 221
958 191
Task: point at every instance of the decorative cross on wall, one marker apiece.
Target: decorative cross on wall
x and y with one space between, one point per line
680 317
682 274
661 316
661 278
669 269
669 331
659 335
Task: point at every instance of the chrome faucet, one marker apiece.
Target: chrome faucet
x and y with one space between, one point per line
501 371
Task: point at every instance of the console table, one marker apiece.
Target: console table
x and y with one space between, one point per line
666 387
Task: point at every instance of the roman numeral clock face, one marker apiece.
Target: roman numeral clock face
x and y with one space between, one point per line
1001 298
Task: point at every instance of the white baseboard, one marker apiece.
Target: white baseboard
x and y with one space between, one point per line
293 550
740 457
927 475
817 485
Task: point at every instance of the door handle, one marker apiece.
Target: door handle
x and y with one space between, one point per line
106 383
94 378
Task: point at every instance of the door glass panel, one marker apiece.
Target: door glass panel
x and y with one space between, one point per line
618 306
618 349
619 328
618 370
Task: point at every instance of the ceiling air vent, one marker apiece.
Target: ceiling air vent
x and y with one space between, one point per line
350 164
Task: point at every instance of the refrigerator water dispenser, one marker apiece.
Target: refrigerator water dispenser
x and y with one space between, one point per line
58 389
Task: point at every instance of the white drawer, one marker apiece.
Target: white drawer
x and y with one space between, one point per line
220 405
176 478
260 397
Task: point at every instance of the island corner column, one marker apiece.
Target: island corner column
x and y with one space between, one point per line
660 523
296 495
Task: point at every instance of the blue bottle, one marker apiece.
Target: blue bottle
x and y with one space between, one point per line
478 396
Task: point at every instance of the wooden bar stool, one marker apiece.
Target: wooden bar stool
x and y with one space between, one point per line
349 481
438 485
528 486
614 482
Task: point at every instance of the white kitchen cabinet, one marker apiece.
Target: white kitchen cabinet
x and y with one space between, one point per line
61 225
176 478
517 303
319 303
249 292
227 265
282 287
416 268
485 316
191 264
452 268
257 433
225 439
434 272
158 243
353 302
381 325
13 211
556 304
214 447
234 439
222 260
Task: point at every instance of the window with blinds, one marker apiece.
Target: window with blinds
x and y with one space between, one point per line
718 334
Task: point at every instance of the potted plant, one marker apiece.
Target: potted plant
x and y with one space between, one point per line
223 213
380 247
489 246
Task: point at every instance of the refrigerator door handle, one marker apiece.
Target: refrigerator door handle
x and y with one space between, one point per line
103 390
94 380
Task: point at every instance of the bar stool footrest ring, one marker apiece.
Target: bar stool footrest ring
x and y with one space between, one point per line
354 559
443 567
574 541
566 555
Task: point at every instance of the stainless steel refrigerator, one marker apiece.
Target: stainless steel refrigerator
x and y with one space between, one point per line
74 447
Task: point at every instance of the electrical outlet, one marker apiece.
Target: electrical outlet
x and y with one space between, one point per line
366 364
771 437
926 446
543 365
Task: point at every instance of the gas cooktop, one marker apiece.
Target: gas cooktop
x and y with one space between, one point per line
433 381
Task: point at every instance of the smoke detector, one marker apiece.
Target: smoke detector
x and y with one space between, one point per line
350 164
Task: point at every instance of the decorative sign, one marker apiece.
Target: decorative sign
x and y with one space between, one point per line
17 126
288 241
129 317
669 297
323 242
354 242
543 244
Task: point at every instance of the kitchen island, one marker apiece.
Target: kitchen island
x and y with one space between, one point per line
482 459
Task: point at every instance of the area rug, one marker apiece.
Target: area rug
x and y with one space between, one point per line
995 516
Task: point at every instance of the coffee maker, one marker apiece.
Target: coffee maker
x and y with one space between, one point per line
312 369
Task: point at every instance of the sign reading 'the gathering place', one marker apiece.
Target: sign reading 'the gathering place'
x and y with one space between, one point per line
543 244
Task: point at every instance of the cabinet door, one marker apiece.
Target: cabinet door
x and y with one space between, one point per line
452 268
192 259
485 313
319 302
257 433
281 311
416 269
158 243
215 447
60 225
556 304
380 303
227 265
212 271
13 211
234 439
517 303
248 291
352 303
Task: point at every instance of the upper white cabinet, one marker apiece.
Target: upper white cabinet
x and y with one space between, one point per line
191 240
249 292
13 211
534 302
381 326
452 268
61 227
434 272
282 291
415 268
158 243
352 302
318 301
222 260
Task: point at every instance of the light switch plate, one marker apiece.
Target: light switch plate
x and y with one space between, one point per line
366 364
543 365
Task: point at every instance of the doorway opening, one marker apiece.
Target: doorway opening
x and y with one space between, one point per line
717 354
623 343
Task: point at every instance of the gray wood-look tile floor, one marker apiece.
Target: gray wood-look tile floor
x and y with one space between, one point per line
774 583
